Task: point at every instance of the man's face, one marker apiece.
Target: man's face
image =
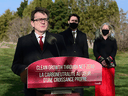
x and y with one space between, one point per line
40 22
73 19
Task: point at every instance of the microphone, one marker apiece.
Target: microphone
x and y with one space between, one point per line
52 40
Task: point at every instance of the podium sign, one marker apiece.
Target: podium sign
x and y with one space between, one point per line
64 72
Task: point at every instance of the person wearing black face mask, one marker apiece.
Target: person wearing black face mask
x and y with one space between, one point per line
104 49
76 41
73 25
105 32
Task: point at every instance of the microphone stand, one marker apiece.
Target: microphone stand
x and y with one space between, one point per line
57 49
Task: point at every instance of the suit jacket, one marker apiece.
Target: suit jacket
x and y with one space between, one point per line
80 47
28 51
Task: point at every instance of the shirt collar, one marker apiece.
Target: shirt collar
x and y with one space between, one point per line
74 31
37 36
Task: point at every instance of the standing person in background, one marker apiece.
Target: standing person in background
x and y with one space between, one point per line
105 49
36 46
76 41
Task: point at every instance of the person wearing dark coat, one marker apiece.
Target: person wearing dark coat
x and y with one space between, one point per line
76 42
36 46
105 48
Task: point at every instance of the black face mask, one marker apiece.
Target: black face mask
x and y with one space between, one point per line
73 25
105 32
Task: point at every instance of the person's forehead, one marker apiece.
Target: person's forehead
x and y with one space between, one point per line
105 26
39 14
73 18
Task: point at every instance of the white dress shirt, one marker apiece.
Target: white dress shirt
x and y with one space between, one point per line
75 33
38 39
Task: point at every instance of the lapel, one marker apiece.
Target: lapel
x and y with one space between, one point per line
69 35
35 42
78 35
45 42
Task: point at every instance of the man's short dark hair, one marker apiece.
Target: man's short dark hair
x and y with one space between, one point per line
75 16
41 10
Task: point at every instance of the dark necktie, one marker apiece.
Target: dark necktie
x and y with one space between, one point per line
73 33
40 42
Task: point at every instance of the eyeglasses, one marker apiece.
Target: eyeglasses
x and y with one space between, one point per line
41 20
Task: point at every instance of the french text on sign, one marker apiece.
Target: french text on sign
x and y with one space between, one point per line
80 79
59 74
64 79
47 80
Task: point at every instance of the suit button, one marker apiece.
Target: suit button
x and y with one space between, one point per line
74 51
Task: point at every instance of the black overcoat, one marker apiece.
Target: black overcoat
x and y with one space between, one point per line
28 51
105 48
80 47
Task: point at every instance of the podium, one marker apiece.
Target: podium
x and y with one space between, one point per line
62 74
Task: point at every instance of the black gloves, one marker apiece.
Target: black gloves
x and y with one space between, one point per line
109 61
100 59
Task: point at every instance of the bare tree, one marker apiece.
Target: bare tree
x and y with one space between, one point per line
18 27
122 32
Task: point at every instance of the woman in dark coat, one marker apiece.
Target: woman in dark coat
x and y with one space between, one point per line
105 49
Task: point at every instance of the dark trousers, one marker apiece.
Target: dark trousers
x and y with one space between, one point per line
29 92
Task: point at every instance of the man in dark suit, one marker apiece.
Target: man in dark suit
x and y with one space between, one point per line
76 41
37 45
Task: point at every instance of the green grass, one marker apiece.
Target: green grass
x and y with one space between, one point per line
11 85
